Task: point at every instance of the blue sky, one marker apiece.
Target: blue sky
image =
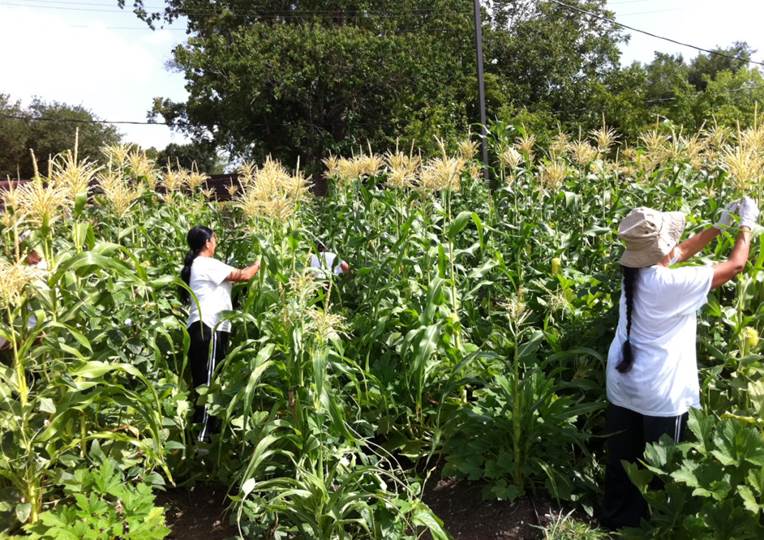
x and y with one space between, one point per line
89 52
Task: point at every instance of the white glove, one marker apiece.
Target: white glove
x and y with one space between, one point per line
726 219
749 212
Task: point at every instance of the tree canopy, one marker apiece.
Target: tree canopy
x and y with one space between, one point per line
308 77
49 129
311 77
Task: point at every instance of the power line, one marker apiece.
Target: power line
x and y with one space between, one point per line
135 122
141 28
62 8
80 120
363 14
109 4
656 36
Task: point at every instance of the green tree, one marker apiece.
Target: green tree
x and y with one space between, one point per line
14 133
552 57
705 67
48 129
308 77
669 88
732 98
203 156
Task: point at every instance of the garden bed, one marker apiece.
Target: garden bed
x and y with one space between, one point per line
199 513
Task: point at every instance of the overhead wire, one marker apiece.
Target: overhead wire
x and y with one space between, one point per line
651 34
28 118
98 7
274 14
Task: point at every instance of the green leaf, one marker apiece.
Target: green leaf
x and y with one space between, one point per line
23 510
47 405
749 500
458 223
423 517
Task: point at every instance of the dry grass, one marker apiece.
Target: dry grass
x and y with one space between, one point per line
73 176
441 174
583 153
467 149
525 145
174 179
559 146
605 138
510 158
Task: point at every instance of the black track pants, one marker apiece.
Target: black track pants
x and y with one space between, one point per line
207 350
628 432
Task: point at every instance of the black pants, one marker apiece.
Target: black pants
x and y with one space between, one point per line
206 351
628 433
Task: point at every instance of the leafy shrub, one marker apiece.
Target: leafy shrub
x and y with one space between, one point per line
713 486
103 507
484 444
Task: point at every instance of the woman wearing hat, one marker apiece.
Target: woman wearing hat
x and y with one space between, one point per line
652 374
210 280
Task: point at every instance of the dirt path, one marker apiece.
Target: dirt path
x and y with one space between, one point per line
468 517
199 513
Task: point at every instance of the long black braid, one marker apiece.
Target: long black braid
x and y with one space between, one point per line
630 276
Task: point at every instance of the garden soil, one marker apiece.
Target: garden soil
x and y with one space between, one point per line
199 514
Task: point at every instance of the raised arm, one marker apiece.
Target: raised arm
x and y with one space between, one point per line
244 274
723 272
695 244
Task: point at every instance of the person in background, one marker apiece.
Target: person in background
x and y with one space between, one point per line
327 261
210 281
652 373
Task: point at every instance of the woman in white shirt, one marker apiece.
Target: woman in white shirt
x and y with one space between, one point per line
652 374
210 280
327 262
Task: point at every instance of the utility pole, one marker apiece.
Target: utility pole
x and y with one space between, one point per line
481 87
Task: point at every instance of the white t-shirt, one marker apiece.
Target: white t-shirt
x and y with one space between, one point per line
325 264
663 380
208 281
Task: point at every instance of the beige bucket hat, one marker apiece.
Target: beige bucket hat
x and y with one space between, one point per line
649 236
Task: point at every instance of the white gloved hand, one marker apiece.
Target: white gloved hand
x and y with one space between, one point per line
749 212
726 219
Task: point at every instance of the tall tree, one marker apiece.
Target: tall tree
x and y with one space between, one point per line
307 77
553 55
705 67
202 156
48 129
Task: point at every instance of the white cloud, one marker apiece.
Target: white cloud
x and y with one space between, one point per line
81 60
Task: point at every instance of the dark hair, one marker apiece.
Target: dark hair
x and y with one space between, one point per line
196 238
629 284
